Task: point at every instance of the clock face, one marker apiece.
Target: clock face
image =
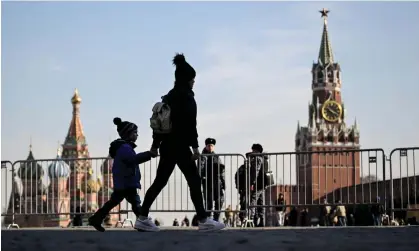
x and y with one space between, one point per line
332 111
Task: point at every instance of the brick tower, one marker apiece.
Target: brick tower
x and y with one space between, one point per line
323 174
75 146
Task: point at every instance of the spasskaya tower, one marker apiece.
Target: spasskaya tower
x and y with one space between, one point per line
327 130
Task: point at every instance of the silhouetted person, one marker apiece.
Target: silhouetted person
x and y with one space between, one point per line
280 209
185 221
293 217
377 211
175 148
125 172
325 214
213 179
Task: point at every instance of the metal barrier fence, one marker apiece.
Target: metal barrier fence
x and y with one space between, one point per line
49 192
310 180
404 168
219 186
6 187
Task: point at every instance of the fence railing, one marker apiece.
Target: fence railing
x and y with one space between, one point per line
49 192
404 166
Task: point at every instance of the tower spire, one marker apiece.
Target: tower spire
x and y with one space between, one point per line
325 52
58 150
75 142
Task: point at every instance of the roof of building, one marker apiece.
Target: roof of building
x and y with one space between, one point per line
30 169
58 169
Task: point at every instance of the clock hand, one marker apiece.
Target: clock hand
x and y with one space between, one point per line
332 111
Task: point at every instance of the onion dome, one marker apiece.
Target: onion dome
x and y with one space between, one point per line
58 169
30 169
76 99
91 185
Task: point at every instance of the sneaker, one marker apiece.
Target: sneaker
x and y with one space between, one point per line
96 224
146 225
210 225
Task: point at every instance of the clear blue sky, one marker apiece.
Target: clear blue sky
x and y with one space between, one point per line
253 62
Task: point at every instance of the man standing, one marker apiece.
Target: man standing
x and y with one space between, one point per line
377 211
258 168
240 179
175 149
213 179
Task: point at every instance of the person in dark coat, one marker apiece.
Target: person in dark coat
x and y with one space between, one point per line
213 179
125 171
257 184
377 211
293 217
242 187
175 149
185 221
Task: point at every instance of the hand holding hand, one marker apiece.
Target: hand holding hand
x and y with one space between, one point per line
154 152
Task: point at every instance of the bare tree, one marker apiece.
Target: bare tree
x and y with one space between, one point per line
369 178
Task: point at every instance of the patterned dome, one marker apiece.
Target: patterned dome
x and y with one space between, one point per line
30 169
59 169
92 186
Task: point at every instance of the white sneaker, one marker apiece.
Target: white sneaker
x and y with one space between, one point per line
210 225
146 224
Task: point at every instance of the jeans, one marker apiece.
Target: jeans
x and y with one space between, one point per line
281 218
342 221
256 199
377 220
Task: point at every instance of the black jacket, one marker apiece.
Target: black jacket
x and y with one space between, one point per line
212 170
281 205
183 112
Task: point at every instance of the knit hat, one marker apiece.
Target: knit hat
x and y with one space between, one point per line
184 72
124 128
210 141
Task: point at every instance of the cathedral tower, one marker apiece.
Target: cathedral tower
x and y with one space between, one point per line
74 147
323 174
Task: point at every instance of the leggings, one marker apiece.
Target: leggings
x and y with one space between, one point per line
170 155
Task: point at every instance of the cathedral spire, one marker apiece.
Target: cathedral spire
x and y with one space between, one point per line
75 142
325 52
75 130
30 155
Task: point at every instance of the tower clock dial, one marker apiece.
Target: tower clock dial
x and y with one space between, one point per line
331 111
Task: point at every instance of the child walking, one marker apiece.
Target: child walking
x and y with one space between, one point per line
125 171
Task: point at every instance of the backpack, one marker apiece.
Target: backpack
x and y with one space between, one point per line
265 176
160 119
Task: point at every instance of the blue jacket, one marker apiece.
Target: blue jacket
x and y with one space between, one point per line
125 169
